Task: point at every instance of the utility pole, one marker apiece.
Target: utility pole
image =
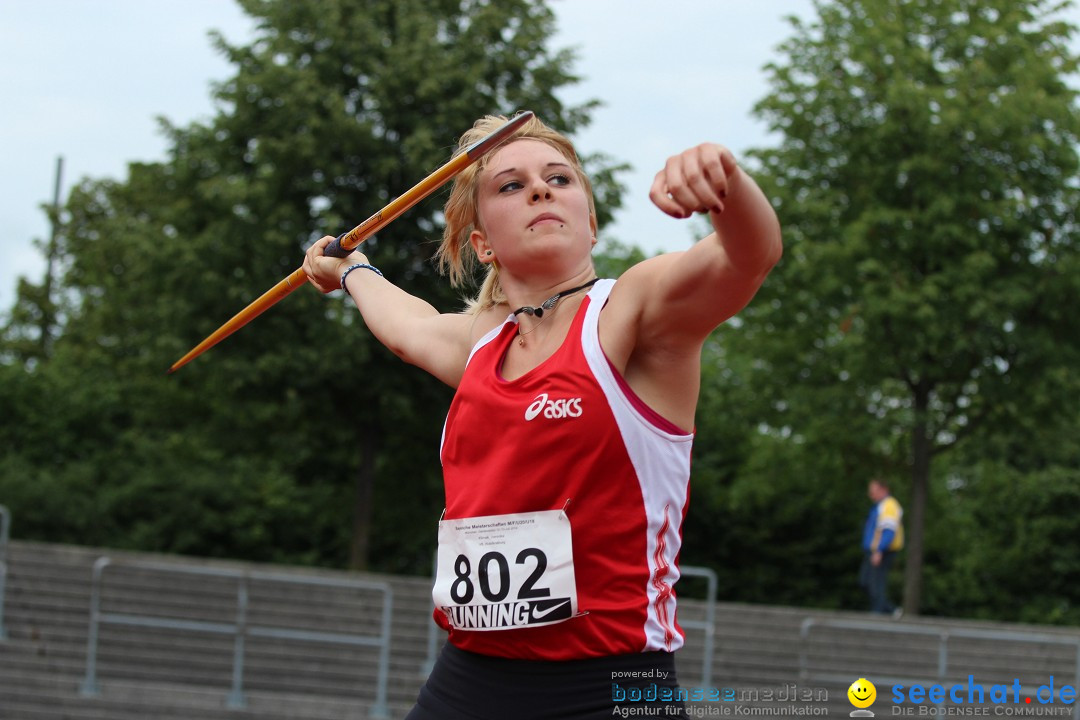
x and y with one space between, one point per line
48 308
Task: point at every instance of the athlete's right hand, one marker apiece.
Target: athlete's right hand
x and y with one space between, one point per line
325 272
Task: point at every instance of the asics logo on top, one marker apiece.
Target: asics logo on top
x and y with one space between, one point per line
554 409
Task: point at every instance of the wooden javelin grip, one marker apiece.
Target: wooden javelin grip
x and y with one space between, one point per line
347 242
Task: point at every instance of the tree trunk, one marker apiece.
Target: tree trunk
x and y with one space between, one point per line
362 510
916 514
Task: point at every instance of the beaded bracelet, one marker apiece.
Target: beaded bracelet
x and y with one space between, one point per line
349 269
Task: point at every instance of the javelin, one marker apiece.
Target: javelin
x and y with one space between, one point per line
347 242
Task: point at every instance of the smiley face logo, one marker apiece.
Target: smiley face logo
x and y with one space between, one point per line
862 693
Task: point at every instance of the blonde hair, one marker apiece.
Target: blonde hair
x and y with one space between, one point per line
462 211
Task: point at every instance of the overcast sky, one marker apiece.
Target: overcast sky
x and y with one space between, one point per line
85 79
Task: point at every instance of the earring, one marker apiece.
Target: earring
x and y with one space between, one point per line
488 253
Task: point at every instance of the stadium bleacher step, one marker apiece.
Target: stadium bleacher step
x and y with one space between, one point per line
147 674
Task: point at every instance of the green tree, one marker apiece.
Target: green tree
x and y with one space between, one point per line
32 324
270 445
926 178
1012 545
766 507
1005 547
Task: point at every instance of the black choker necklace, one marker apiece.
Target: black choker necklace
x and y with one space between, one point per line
538 312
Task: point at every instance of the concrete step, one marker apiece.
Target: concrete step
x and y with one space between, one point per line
147 674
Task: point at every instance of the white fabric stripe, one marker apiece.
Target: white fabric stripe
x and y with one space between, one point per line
662 463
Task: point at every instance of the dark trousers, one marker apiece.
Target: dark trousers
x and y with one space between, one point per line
467 686
874 580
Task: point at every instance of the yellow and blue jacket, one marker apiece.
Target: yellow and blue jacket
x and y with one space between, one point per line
884 530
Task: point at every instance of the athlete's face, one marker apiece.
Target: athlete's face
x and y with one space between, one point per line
531 205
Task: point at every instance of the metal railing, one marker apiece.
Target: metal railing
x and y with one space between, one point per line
708 625
5 531
240 629
433 630
943 634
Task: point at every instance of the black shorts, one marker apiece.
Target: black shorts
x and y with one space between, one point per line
467 686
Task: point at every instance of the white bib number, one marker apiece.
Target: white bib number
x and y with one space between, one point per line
506 571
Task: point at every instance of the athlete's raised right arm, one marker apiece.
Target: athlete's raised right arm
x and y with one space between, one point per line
408 326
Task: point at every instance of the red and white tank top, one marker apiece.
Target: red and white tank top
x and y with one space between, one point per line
567 436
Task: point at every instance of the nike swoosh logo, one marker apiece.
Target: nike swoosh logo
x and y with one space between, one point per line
541 614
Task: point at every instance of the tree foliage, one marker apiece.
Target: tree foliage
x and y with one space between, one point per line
927 182
299 438
918 327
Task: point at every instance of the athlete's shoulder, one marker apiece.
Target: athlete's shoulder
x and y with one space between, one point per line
480 324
